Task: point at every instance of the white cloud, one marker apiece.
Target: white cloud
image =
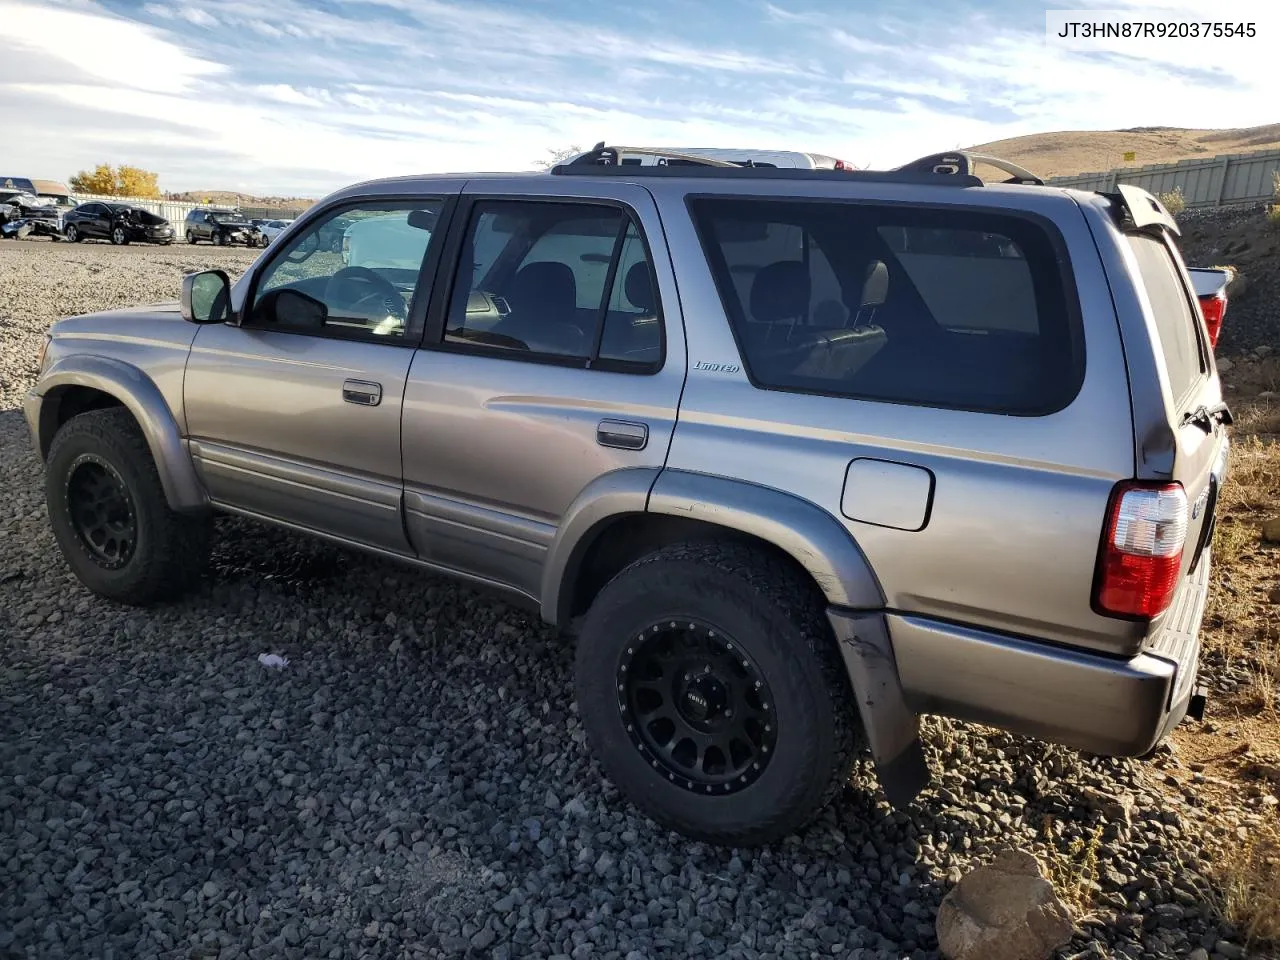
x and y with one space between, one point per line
308 98
201 18
284 93
60 34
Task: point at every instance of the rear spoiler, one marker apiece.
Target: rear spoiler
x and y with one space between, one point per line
1140 211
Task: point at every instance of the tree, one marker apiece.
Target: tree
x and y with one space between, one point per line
136 182
101 180
557 156
122 181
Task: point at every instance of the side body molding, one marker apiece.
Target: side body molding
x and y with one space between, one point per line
814 538
142 398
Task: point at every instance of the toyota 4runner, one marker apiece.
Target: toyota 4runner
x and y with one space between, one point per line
798 456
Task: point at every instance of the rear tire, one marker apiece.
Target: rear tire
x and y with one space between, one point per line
741 625
191 238
110 516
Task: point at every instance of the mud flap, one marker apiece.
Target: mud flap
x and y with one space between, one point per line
892 728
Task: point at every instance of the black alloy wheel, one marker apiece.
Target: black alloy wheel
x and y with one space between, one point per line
102 512
697 707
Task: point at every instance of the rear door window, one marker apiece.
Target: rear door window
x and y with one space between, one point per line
947 307
564 282
1176 321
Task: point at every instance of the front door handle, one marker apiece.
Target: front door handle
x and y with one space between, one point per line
363 392
623 434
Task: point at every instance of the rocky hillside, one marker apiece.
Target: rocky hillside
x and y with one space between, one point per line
1243 238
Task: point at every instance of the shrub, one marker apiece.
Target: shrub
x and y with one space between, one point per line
1273 215
1173 201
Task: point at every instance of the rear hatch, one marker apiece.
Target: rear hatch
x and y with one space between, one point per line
1180 423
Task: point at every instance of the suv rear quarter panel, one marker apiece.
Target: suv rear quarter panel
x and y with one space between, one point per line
1011 537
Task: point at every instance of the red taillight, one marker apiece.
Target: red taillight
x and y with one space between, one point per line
841 165
1141 550
1214 309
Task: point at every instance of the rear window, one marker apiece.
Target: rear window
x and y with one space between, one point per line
950 308
1176 321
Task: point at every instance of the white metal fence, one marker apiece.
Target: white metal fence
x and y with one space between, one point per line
1222 180
175 211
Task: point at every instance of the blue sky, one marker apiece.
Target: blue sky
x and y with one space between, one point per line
303 96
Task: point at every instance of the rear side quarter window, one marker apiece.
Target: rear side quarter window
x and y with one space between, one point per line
945 307
1176 320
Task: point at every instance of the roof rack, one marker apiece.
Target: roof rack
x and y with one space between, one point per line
602 155
962 162
603 160
954 168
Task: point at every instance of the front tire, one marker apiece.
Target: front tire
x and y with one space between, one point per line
118 237
73 234
110 516
220 239
711 691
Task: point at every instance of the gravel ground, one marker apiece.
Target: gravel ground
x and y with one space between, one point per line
415 782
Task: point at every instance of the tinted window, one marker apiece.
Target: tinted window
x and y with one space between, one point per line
557 280
353 273
1175 321
943 308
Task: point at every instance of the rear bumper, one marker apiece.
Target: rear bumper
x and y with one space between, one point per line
902 666
1113 706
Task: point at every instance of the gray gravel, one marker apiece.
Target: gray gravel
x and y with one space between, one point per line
415 782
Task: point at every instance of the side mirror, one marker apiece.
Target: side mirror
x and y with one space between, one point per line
206 297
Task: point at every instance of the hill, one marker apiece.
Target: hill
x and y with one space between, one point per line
1086 151
231 198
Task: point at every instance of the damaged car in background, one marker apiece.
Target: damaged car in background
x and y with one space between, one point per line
120 223
223 227
25 215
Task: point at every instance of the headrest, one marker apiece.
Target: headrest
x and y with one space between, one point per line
639 287
876 288
544 285
780 291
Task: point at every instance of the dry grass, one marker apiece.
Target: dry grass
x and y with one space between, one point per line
1073 871
1248 875
1273 215
1173 200
1067 152
1242 632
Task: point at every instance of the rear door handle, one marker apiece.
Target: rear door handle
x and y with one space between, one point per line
623 434
364 392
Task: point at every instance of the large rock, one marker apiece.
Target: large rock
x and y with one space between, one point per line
1006 910
1271 530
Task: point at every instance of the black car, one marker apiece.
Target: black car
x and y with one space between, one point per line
118 222
223 227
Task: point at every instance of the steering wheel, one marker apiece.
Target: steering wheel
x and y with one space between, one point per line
343 290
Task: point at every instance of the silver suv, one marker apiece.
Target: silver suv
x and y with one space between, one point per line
798 456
